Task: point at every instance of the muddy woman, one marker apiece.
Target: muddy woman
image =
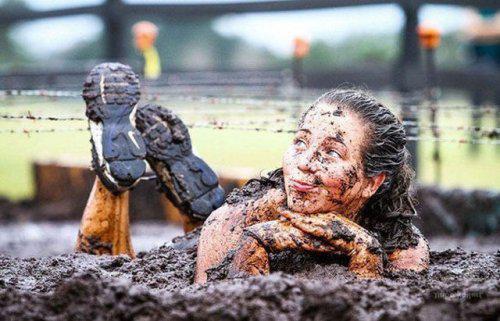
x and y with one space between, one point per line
344 188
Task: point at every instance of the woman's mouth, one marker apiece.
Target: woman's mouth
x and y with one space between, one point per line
301 186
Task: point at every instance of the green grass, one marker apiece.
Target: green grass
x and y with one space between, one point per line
220 148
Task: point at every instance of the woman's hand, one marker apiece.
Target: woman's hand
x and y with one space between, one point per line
251 258
264 208
326 233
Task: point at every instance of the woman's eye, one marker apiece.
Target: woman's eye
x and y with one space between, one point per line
300 143
333 153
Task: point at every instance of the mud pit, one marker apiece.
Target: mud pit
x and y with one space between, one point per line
158 285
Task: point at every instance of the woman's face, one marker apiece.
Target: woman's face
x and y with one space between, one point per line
323 167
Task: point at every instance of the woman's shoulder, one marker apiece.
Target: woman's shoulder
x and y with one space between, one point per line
257 188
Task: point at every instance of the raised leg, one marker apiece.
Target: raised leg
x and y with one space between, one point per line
104 228
111 93
187 181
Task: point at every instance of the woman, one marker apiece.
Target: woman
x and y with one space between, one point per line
344 188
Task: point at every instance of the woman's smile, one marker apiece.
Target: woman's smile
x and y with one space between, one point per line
301 186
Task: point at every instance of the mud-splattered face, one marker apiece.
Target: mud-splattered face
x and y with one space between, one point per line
323 167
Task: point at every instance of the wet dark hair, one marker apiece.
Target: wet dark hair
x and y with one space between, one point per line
388 213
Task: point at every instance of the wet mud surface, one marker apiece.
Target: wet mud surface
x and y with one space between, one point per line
460 285
39 239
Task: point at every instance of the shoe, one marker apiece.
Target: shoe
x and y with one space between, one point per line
187 180
111 93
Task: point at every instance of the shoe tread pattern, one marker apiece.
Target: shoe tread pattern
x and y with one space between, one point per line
111 91
194 187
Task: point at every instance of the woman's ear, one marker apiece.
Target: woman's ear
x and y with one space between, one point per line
374 183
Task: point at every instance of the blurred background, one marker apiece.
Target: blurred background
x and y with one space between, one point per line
239 72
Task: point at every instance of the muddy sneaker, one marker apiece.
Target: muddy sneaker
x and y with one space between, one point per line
185 178
111 92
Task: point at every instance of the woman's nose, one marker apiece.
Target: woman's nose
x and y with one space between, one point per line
307 163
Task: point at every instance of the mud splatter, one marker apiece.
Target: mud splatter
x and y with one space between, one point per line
339 137
352 175
338 112
340 231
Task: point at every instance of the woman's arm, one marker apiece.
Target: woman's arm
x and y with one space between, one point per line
413 258
315 233
223 230
345 236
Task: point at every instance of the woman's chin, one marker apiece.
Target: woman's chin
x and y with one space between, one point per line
302 206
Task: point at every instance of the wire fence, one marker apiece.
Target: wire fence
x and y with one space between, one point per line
285 106
412 126
279 130
492 135
274 101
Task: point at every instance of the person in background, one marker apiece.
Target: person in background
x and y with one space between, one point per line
145 34
301 49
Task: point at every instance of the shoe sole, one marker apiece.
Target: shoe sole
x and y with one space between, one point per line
111 93
186 179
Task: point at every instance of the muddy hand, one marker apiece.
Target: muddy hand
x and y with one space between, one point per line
281 235
264 208
345 236
251 257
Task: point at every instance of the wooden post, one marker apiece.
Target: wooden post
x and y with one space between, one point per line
114 29
407 77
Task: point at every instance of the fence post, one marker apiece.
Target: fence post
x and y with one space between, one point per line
406 76
429 40
114 29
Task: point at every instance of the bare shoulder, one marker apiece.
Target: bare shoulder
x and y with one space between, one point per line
414 258
247 212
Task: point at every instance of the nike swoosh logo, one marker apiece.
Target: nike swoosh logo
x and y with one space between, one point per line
132 138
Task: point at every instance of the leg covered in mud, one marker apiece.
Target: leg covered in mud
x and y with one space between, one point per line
111 93
104 228
187 181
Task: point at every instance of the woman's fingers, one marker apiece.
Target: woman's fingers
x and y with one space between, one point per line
282 235
343 236
331 227
316 224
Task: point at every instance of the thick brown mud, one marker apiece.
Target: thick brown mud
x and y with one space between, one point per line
158 286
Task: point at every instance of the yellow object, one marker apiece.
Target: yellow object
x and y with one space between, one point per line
152 64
